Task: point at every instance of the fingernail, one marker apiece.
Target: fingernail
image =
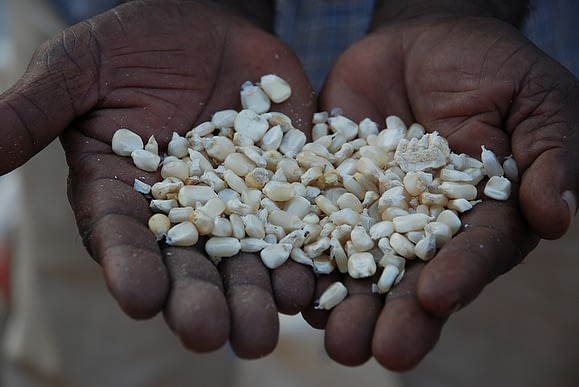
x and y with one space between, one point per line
569 198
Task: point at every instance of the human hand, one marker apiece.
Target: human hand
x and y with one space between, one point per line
155 67
476 81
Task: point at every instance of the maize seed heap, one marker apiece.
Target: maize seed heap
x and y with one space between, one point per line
357 199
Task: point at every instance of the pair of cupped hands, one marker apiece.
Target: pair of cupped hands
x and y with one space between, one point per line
159 67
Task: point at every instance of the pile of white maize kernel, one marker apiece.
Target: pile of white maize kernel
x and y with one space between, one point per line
357 199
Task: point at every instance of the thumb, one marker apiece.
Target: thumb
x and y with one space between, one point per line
56 88
548 192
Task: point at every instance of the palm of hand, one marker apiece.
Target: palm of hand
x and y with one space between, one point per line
476 82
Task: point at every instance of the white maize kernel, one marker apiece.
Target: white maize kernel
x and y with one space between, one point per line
250 124
367 127
345 216
318 247
253 226
441 232
401 245
498 188
178 146
278 118
279 191
387 278
124 142
298 206
292 142
221 227
511 169
222 246
224 118
381 229
491 164
272 138
159 224
320 117
296 238
338 254
237 226
175 168
165 188
254 98
425 248
410 222
332 296
146 161
415 236
361 265
360 239
141 187
319 130
458 190
202 221
239 163
276 88
299 256
163 205
182 234
392 259
416 182
461 205
234 181
189 195
152 145
257 178
326 205
180 214
451 219
218 147
285 220
343 126
395 131
274 256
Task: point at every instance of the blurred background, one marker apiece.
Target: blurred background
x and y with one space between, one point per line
59 327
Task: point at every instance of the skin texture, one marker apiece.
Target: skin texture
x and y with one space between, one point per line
475 80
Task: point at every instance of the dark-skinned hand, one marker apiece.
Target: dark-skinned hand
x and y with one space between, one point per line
156 67
160 67
476 81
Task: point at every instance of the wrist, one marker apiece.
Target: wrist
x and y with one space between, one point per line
509 11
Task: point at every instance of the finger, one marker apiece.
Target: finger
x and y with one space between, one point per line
318 318
405 332
549 188
293 287
254 319
350 326
494 238
56 88
112 220
196 309
545 140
